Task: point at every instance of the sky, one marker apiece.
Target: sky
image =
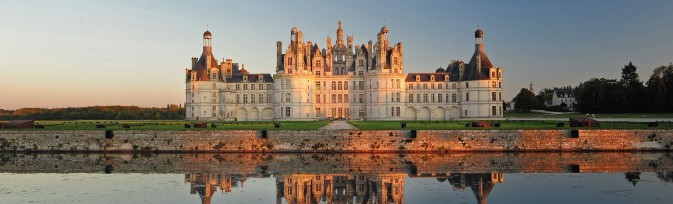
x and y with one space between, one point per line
85 53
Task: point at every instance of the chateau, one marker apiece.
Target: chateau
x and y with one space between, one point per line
342 80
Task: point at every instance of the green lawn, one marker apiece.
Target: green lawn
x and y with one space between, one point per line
518 114
178 125
506 125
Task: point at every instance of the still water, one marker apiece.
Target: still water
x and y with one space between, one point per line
337 178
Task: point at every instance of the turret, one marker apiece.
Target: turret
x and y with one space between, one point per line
279 55
340 35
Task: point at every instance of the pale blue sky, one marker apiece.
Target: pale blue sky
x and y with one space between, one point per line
80 53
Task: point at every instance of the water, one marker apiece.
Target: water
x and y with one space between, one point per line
337 178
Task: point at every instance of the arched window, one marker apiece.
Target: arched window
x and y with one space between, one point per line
318 64
340 87
334 85
345 85
289 61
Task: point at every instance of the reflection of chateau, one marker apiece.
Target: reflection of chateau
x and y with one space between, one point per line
481 184
340 188
342 80
206 184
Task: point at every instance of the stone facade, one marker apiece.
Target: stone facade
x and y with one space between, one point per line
342 80
335 140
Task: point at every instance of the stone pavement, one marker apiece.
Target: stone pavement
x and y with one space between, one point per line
339 125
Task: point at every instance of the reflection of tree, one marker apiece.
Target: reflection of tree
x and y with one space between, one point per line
632 177
666 176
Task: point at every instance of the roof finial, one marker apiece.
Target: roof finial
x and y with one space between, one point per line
478 26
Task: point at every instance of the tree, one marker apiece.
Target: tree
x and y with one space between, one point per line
598 96
632 98
526 101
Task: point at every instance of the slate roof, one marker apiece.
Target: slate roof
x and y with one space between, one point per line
425 77
251 78
560 92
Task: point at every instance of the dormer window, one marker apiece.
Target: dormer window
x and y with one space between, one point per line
245 78
446 77
260 78
432 77
418 78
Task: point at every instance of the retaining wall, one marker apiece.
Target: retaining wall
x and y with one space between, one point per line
334 140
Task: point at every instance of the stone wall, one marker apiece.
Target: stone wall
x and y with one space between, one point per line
333 140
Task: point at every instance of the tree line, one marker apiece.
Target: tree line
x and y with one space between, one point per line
170 112
625 95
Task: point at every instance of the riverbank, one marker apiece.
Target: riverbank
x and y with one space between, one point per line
391 141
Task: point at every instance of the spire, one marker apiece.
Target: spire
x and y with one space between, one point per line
340 35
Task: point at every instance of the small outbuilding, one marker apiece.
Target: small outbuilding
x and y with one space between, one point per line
583 122
20 124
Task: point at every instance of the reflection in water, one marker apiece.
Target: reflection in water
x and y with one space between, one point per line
339 188
612 177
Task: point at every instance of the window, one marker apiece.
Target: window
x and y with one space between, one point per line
418 98
238 98
287 97
499 84
252 86
397 110
467 85
467 96
411 86
425 98
432 86
214 85
317 98
345 85
334 85
362 85
361 73
411 98
268 87
439 98
453 85
395 61
238 87
493 96
492 74
289 61
361 62
252 98
340 87
397 97
493 84
261 98
425 86
245 98
493 110
317 85
432 78
340 99
361 98
268 98
346 98
245 87
334 98
499 96
287 111
440 86
318 64
432 97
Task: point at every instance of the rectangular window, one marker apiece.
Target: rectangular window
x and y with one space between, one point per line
238 98
439 98
493 96
493 84
252 86
245 98
493 110
432 86
287 97
397 110
268 87
268 98
238 87
252 98
397 97
345 98
361 98
334 98
317 85
340 99
453 98
317 98
261 98
440 86
499 96
467 96
418 98
411 98
245 87
425 98
453 85
425 86
287 111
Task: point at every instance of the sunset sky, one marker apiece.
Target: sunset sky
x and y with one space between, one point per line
83 53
